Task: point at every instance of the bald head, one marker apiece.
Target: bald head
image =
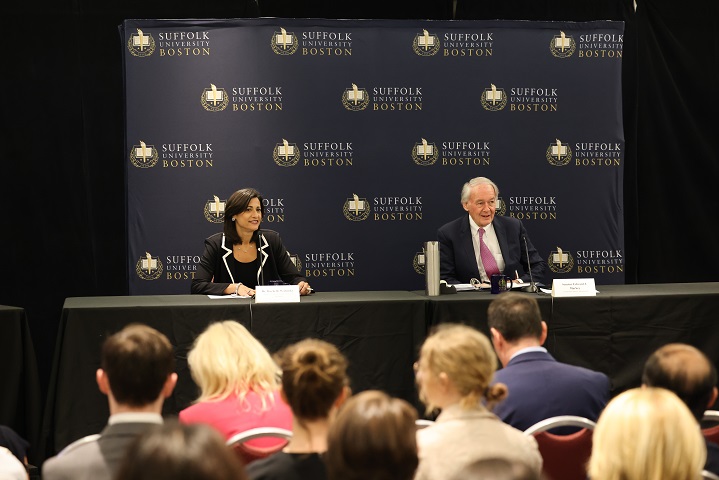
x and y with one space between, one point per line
684 370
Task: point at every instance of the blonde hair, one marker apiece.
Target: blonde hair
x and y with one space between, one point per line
466 356
647 434
227 360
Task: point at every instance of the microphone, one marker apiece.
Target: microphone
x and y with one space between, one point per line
260 240
532 287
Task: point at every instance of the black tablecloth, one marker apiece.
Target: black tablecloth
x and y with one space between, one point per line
379 332
613 332
20 407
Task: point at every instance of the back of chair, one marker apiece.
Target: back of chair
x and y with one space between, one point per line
565 456
710 425
707 475
249 451
423 423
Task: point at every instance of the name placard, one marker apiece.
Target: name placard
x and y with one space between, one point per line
574 287
277 293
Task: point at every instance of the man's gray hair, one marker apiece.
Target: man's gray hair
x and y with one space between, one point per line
467 188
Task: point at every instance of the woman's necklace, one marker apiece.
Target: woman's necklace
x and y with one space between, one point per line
242 248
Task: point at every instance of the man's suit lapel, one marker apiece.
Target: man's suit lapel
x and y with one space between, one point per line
501 233
468 247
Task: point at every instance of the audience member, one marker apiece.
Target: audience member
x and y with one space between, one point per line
496 469
181 452
647 434
373 438
17 445
136 374
539 386
692 377
239 384
454 373
314 384
10 467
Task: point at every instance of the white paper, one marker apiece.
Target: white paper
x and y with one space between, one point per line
216 297
574 287
468 287
277 294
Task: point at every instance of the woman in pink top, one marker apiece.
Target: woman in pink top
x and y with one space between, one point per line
239 384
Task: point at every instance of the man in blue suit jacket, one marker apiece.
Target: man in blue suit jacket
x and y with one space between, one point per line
539 386
459 240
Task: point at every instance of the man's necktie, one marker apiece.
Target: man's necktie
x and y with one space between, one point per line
488 261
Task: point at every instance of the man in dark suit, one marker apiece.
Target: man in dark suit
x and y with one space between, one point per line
688 373
539 386
480 244
136 374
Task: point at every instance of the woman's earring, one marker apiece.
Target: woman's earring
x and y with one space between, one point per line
233 219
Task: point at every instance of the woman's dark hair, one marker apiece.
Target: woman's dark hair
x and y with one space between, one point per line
373 438
237 203
314 373
174 451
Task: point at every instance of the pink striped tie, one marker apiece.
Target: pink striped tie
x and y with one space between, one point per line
488 261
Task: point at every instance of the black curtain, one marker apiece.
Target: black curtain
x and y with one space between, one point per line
62 160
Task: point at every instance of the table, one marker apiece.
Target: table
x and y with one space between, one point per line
379 332
613 332
20 407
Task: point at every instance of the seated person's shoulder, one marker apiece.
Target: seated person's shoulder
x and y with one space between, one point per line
74 455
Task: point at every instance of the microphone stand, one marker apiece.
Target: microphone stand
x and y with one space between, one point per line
532 287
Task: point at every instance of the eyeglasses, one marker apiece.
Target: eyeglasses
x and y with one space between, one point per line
477 284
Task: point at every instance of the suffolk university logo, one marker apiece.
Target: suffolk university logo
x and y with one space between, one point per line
148 267
559 154
586 154
284 42
141 44
560 261
214 99
426 45
493 98
215 210
143 155
419 263
562 46
451 153
356 209
355 98
425 153
286 154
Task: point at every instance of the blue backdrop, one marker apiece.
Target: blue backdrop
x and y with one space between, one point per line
360 135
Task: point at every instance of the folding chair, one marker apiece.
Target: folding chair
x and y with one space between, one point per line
249 452
422 423
565 456
710 425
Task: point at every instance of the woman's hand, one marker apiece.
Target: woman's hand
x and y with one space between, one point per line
305 288
239 289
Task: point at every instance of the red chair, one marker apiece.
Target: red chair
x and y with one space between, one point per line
249 452
565 456
710 425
